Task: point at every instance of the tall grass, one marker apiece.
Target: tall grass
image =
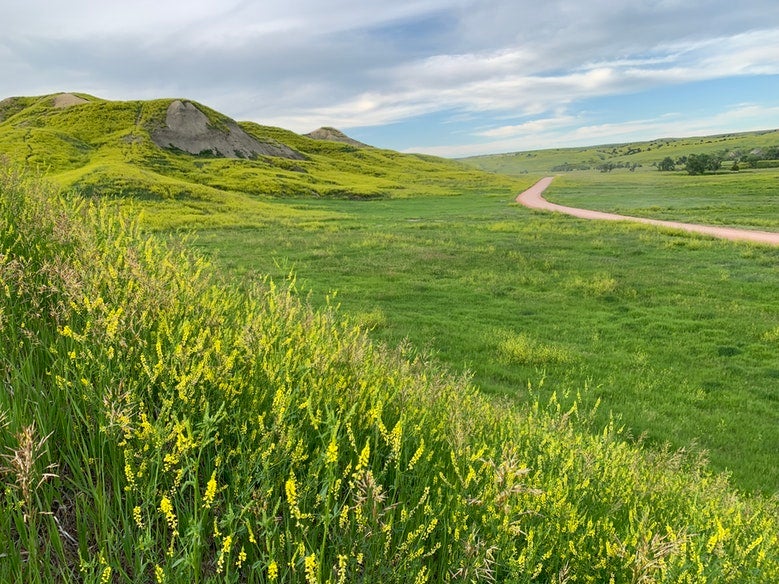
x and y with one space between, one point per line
159 425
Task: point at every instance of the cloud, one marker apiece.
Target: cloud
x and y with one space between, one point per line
360 63
556 133
499 81
533 127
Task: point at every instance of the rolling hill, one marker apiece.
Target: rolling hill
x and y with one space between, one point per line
648 153
180 149
160 422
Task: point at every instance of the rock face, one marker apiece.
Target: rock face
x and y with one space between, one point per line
188 129
63 100
333 135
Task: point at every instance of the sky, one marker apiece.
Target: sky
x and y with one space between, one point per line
446 77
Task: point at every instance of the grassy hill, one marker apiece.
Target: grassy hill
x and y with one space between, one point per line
157 424
647 153
108 148
164 421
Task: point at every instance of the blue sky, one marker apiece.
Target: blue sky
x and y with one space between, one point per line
446 77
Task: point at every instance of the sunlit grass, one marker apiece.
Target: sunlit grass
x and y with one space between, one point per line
669 331
159 425
747 199
104 148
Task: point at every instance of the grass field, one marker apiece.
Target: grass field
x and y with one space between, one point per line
674 334
644 154
747 199
164 419
159 424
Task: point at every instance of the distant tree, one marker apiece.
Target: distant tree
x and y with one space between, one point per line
700 163
697 163
715 163
667 164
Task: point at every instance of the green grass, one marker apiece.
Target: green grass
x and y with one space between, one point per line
157 424
646 154
673 333
747 199
104 148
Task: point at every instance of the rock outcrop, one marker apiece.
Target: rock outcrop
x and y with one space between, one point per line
63 100
333 135
188 129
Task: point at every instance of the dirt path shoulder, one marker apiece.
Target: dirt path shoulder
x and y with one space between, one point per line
533 199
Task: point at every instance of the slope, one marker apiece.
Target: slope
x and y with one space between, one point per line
158 424
179 150
647 153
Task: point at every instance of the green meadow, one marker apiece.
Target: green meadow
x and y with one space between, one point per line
645 154
674 334
747 199
362 366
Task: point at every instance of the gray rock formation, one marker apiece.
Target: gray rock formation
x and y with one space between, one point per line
188 129
333 135
63 100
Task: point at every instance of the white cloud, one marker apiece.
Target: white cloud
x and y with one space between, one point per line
555 133
354 63
499 82
533 127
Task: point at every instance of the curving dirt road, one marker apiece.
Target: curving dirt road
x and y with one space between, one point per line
532 198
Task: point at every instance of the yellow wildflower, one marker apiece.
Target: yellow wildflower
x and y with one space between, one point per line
394 440
362 461
137 516
343 517
332 452
129 475
417 455
208 497
292 490
241 557
342 561
166 507
226 545
273 571
311 570
106 575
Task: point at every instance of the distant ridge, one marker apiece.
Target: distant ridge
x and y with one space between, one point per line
335 135
729 146
174 149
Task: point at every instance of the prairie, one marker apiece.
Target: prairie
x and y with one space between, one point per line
159 423
674 334
746 199
355 365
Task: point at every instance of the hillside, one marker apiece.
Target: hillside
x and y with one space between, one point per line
180 150
646 154
158 424
335 135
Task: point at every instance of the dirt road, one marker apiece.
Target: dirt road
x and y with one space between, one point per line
532 198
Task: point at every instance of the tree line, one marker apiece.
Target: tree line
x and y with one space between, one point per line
701 163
